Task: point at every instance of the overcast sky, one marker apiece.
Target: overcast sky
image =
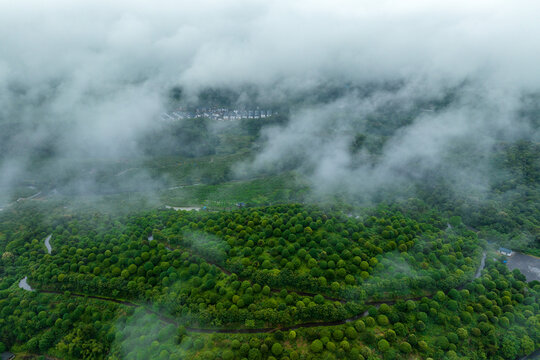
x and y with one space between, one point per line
103 44
103 68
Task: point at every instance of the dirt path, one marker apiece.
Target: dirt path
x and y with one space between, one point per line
482 266
48 243
227 272
184 208
173 321
96 297
23 284
5 206
29 197
124 171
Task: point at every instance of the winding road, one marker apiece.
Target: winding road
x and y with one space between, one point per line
48 243
227 272
29 197
19 200
24 285
184 208
482 265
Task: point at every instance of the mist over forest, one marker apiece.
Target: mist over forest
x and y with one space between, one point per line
345 155
89 81
381 102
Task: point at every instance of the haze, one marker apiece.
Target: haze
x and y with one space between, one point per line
90 77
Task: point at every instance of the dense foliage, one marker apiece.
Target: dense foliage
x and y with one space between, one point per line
275 282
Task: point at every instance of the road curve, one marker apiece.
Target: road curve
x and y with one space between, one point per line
172 321
23 284
48 243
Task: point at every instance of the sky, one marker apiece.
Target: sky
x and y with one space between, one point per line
93 75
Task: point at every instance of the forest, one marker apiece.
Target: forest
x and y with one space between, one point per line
275 282
269 180
266 267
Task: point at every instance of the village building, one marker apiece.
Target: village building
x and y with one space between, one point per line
216 114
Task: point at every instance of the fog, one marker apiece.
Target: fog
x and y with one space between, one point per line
454 143
81 81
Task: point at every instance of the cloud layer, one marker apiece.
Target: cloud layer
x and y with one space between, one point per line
91 76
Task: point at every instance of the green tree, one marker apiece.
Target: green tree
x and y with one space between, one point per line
277 349
383 345
510 346
405 347
254 354
337 334
382 320
351 333
423 346
442 342
227 355
316 346
527 345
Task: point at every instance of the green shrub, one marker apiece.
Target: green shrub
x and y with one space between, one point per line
277 349
359 326
254 354
452 337
227 355
370 322
316 346
462 333
405 347
351 333
410 305
423 346
382 320
330 346
442 342
383 345
198 344
244 349
390 335
337 335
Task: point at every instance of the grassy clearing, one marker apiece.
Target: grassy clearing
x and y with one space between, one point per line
273 189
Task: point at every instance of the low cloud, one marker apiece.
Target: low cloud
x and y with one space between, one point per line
86 79
418 135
